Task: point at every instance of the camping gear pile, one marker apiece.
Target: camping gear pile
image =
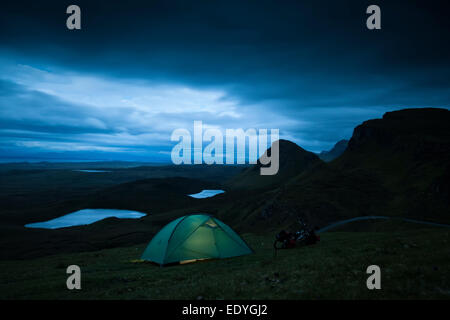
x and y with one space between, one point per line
304 236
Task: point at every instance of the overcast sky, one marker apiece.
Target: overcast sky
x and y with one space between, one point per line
137 70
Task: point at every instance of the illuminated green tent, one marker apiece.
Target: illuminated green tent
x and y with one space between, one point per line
194 237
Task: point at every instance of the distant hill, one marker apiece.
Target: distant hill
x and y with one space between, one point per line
396 166
335 152
293 160
151 195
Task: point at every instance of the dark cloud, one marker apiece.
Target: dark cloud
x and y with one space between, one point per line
312 61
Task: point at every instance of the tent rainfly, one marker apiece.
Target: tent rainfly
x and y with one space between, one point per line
194 237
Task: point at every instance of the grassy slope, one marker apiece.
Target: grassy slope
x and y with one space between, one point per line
414 264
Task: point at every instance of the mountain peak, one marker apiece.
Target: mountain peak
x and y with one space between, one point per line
335 152
293 160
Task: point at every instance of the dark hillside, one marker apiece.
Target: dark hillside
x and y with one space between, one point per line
398 166
293 160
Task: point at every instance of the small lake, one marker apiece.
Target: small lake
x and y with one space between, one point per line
92 170
85 216
206 194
